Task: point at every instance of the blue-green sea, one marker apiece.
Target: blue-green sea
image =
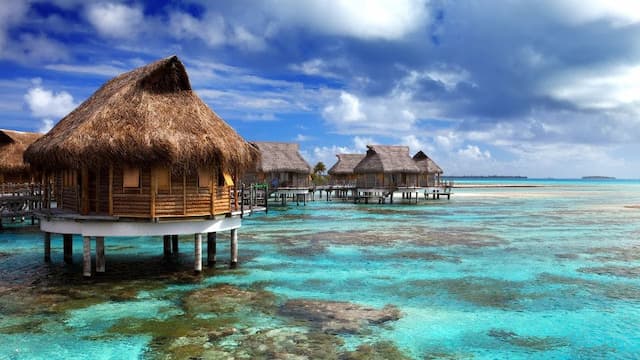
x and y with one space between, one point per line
544 272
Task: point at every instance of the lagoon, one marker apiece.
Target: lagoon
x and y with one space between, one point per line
551 271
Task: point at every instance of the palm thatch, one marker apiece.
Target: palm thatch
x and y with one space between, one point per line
280 157
387 159
345 164
426 164
12 147
148 116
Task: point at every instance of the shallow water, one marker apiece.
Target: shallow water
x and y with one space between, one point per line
543 272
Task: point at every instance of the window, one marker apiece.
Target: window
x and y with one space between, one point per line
163 178
131 177
204 178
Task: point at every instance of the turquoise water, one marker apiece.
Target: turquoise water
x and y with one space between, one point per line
549 272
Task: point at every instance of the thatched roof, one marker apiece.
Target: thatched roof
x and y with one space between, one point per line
12 147
148 116
284 157
426 164
387 159
346 163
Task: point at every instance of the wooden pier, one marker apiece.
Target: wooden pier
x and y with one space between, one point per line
19 201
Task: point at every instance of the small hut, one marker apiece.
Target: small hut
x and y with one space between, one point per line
281 166
386 168
13 169
341 173
430 172
144 155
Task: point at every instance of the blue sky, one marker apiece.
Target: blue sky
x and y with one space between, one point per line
547 88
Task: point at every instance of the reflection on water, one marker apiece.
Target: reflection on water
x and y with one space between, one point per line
544 272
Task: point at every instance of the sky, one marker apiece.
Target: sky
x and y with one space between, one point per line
546 88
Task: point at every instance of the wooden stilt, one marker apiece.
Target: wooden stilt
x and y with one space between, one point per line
174 244
233 263
211 249
67 241
197 264
167 245
86 256
47 247
100 260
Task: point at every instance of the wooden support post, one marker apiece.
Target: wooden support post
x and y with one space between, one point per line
154 192
84 191
197 265
67 246
184 192
241 201
211 249
100 260
233 263
86 256
174 244
167 245
47 247
110 190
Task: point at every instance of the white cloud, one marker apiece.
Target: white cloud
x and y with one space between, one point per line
46 104
415 144
46 125
115 20
364 19
301 138
597 88
473 152
315 67
98 69
618 13
11 13
360 143
346 110
213 30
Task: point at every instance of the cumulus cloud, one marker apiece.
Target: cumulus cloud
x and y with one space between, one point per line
315 67
618 13
363 19
600 88
115 20
47 105
473 152
213 30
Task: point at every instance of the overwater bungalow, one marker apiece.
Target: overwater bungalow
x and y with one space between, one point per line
143 156
384 170
430 173
341 173
283 168
13 169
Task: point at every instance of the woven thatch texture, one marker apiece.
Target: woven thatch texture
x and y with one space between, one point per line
280 157
426 164
12 147
148 116
387 159
346 163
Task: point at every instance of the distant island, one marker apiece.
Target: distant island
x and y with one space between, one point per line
485 177
598 178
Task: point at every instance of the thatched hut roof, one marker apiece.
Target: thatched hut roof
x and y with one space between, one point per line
426 164
346 163
283 157
148 116
12 147
387 159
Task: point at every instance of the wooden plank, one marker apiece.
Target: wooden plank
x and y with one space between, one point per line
184 192
84 191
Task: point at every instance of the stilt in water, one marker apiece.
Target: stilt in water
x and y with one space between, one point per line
67 240
86 256
166 239
233 263
174 244
197 265
47 247
100 259
211 249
